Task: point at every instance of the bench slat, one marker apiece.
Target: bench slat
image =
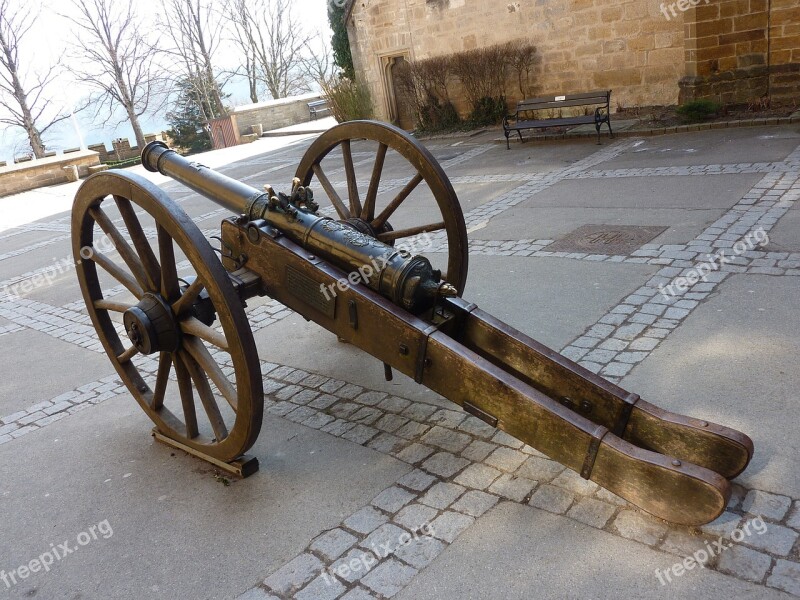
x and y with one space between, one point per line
594 94
552 122
525 106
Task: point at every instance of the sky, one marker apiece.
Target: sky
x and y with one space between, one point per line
50 39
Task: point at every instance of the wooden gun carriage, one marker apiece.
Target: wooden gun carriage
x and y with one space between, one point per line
174 338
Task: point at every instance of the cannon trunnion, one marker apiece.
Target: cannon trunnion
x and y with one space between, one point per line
175 328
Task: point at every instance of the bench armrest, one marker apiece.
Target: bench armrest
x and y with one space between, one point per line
599 117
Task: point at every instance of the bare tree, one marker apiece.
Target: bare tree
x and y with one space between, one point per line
277 41
23 97
196 32
114 57
317 61
242 43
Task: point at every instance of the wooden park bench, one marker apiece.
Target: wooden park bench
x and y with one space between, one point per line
525 118
318 107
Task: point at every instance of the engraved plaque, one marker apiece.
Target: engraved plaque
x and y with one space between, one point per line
310 291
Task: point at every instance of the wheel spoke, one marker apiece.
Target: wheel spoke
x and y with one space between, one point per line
203 357
399 199
139 241
162 378
352 183
170 287
199 329
112 269
104 304
391 236
187 397
368 212
126 356
206 396
185 302
341 209
120 243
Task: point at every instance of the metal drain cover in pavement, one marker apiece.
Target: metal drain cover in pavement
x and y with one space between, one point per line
606 239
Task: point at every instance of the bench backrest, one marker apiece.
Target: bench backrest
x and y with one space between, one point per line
317 103
546 102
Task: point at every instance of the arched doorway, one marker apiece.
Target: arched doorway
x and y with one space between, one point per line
399 107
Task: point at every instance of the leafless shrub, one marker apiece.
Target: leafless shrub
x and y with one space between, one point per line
522 60
349 100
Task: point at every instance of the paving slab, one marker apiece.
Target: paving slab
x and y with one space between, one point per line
683 192
552 300
520 550
721 146
786 235
554 222
34 369
169 511
522 158
705 370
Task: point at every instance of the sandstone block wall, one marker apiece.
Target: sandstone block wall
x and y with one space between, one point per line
740 50
583 45
648 51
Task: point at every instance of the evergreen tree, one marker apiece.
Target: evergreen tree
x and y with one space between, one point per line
340 42
188 128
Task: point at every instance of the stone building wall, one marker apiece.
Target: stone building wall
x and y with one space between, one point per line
582 45
741 50
648 51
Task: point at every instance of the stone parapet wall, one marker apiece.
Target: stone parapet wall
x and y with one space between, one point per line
121 148
273 114
44 171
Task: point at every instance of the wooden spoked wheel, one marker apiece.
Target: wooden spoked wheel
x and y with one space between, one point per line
160 319
404 199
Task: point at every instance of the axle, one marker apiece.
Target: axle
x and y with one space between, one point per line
408 281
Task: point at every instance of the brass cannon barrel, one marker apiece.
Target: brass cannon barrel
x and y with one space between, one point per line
157 157
408 281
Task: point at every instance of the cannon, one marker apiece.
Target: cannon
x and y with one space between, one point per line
170 315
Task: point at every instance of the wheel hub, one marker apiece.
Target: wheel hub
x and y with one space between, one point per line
151 326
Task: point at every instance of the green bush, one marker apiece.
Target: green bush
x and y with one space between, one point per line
698 111
349 100
488 111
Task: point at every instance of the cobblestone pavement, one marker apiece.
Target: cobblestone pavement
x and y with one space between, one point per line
460 468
